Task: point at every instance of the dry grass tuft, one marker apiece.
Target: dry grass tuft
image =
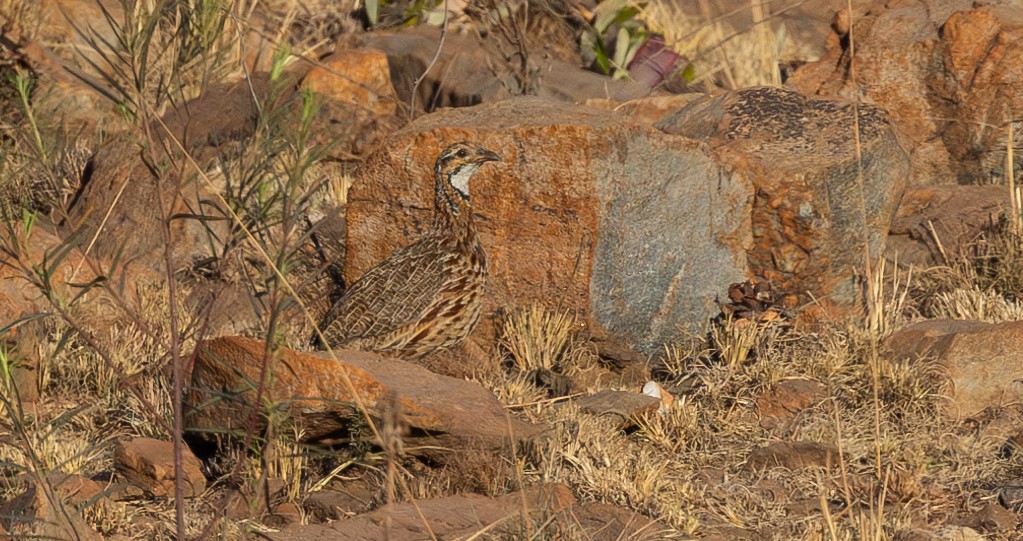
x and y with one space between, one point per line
720 55
536 338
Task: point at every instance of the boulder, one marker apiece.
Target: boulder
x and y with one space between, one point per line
357 104
983 362
586 211
149 464
440 412
463 516
639 229
118 208
945 70
807 218
465 73
357 76
934 226
41 513
23 302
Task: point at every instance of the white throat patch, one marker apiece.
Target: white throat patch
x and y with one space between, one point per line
460 178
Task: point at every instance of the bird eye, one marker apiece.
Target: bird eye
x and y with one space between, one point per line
462 153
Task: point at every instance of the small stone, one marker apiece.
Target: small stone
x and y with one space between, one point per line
793 455
1011 494
624 404
993 518
780 404
149 464
959 533
655 390
327 505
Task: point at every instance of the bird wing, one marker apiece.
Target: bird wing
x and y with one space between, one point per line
391 295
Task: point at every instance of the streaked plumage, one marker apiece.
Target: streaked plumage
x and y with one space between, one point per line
429 294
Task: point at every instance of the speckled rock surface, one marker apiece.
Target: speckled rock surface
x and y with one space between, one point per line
808 222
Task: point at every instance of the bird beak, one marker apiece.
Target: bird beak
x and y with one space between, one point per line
485 155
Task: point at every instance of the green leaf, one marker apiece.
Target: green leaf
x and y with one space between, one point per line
28 220
689 74
86 287
621 49
626 14
21 321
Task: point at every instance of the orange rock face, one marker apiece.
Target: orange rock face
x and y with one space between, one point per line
149 464
948 72
357 76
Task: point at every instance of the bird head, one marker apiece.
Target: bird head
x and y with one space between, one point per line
457 163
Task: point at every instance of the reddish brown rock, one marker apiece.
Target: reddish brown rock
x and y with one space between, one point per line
636 229
983 362
793 455
24 304
627 406
983 71
945 70
456 517
937 225
326 505
779 406
466 73
75 489
441 412
120 205
992 518
149 465
357 76
36 514
648 110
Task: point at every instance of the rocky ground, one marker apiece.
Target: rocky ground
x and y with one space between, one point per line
756 270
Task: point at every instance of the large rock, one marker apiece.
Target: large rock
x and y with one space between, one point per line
440 412
461 517
465 73
41 513
117 210
638 228
982 361
586 211
357 76
936 225
808 224
947 71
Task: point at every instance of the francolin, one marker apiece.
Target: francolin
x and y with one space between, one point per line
428 295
